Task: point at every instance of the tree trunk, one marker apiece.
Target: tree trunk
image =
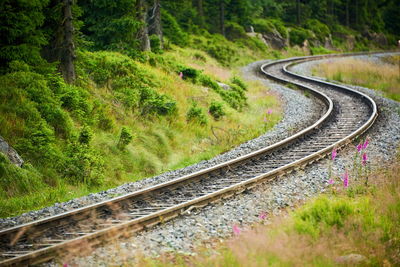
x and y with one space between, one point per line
222 16
155 19
143 33
68 48
298 11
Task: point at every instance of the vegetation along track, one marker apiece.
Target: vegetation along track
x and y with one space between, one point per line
347 115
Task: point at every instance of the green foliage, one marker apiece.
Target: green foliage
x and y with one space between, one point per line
16 181
172 30
189 73
110 25
270 26
196 114
85 136
124 138
21 36
133 86
323 212
298 36
234 31
320 29
155 44
236 80
216 109
83 165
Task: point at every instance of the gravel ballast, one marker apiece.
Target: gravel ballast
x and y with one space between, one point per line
216 221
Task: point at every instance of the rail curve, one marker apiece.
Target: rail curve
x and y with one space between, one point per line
347 115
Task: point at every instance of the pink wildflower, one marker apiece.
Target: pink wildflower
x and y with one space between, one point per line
359 147
181 75
364 159
269 111
65 265
265 119
236 229
346 179
262 216
331 181
334 154
365 145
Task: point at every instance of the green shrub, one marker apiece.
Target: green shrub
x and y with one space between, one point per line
236 80
155 43
153 103
124 138
298 36
15 180
83 165
189 73
320 29
196 114
234 31
85 136
216 109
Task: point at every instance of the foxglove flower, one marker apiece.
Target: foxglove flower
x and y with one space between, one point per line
236 229
262 216
359 147
365 145
331 181
334 154
364 159
346 179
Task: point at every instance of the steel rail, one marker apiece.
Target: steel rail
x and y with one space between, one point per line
13 234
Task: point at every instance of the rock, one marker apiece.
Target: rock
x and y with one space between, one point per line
10 153
378 38
351 259
275 40
329 43
224 86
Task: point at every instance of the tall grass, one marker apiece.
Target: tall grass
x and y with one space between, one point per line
381 77
362 220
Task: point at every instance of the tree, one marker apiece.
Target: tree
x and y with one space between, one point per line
155 22
68 48
143 32
20 35
222 16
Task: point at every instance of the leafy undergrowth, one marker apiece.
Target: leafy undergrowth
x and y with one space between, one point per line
353 226
124 120
382 77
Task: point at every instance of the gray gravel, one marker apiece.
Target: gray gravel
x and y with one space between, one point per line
299 112
216 221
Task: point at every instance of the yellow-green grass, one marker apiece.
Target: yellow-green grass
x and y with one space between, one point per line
381 77
160 143
361 220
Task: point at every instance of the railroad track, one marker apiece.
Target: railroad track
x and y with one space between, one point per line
347 115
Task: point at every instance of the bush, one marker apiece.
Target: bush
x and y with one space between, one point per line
189 73
196 114
85 136
125 138
155 43
239 82
216 110
15 180
83 165
298 36
234 31
320 29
